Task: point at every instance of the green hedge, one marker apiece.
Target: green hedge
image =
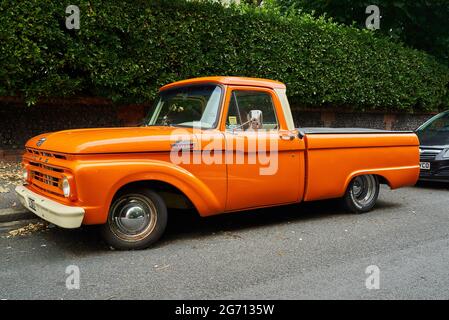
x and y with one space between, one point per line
125 50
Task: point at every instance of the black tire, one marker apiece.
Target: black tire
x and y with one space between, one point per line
362 193
136 220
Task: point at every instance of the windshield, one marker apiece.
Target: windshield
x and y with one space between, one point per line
435 131
191 106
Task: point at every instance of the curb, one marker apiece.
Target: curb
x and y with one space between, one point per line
10 215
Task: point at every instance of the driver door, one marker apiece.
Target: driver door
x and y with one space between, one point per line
264 166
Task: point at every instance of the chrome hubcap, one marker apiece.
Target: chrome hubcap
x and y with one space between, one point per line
133 217
363 190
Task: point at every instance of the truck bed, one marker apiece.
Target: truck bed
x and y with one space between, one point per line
335 155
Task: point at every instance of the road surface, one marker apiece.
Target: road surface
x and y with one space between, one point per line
307 251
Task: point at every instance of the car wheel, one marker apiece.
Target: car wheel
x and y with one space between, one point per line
362 193
136 220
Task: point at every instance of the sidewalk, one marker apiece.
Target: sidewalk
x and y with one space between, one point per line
10 207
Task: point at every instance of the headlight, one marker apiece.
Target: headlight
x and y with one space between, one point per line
25 174
66 187
446 154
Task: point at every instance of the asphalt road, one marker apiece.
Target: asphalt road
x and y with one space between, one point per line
309 251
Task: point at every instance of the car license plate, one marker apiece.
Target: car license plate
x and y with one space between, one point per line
424 165
31 204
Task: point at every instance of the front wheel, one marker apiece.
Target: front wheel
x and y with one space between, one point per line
137 219
362 194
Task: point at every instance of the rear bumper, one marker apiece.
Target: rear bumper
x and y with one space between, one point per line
52 211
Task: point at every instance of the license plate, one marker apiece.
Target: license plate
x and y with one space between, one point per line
424 165
31 204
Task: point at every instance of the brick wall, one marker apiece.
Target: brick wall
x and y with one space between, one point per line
346 119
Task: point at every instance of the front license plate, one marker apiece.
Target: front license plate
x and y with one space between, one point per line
424 165
32 204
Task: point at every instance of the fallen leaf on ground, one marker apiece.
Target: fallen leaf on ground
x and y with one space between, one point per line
28 229
161 267
11 173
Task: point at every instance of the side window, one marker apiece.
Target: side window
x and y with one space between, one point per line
242 102
440 124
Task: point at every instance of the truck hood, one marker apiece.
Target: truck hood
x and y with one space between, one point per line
111 140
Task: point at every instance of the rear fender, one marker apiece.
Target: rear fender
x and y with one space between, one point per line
394 177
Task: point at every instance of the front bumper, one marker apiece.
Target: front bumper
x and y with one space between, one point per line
439 171
52 211
434 178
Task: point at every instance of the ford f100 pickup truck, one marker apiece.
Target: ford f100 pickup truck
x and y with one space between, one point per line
214 144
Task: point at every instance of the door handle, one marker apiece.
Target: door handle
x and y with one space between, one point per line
287 136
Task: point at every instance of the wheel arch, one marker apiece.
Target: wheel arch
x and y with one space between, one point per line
382 178
163 188
182 184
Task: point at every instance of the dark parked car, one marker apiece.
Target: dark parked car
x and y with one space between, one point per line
434 148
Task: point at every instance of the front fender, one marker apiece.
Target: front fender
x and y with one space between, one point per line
99 181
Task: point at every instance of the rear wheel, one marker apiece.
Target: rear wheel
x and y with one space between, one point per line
137 219
362 193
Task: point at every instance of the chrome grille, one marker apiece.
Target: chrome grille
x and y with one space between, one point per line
46 177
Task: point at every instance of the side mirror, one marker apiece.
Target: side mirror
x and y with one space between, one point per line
255 119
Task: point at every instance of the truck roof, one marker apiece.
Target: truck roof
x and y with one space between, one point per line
237 81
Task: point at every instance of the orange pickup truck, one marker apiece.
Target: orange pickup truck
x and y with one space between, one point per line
215 144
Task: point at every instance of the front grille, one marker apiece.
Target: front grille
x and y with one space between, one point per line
428 154
45 177
444 172
427 157
45 154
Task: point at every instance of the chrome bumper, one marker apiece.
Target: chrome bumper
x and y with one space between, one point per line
52 211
